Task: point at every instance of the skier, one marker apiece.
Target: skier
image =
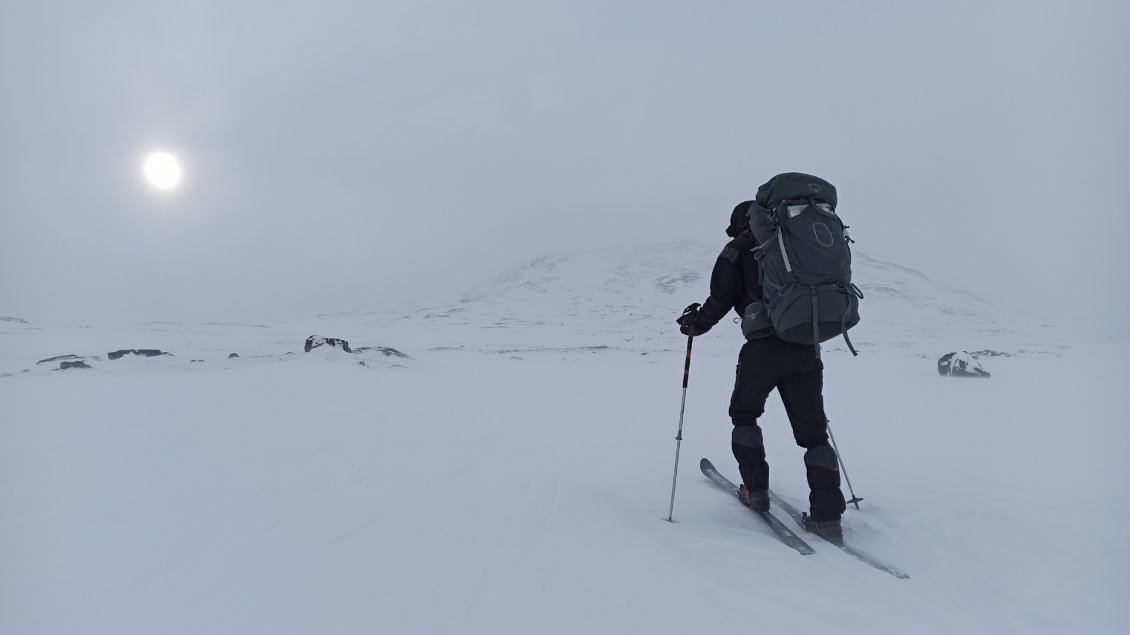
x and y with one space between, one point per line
766 362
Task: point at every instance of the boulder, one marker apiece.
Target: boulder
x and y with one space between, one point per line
387 350
143 352
59 358
990 353
314 341
74 364
961 364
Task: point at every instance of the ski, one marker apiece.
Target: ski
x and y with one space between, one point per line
855 552
785 534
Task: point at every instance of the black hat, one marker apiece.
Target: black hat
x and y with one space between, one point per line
739 220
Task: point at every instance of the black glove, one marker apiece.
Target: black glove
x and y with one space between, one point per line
688 324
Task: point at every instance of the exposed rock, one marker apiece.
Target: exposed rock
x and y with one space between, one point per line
76 364
13 319
961 364
387 350
314 341
990 353
195 361
233 355
144 352
52 360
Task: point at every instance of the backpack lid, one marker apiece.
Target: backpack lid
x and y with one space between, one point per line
795 185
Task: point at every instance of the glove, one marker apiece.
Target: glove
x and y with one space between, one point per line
688 325
692 328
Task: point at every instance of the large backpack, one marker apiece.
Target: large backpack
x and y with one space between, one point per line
804 261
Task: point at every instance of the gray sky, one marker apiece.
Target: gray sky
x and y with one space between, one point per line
344 154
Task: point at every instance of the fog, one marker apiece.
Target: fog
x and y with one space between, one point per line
343 155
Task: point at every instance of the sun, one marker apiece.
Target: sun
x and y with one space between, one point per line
162 170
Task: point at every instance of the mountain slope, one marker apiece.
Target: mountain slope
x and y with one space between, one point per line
630 297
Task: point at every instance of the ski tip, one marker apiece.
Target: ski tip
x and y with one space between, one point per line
705 464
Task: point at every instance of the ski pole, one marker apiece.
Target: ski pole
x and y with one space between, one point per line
854 499
688 314
679 436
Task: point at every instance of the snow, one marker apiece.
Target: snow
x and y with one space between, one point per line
513 475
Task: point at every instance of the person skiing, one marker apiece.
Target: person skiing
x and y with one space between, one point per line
767 362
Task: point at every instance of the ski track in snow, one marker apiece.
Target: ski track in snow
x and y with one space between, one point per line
513 475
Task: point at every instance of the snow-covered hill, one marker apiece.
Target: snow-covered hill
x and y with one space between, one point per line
512 475
629 297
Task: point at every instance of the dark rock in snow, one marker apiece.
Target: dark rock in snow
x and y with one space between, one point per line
144 352
387 350
314 341
52 360
13 319
76 364
233 355
990 353
961 364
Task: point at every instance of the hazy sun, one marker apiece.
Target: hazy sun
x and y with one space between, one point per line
162 170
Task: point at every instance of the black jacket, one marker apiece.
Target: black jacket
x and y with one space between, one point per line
734 283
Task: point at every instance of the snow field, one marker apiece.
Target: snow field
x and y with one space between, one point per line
471 492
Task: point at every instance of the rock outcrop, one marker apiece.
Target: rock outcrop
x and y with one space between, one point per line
387 350
961 364
142 352
314 341
60 358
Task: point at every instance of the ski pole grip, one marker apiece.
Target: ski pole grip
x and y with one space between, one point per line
687 366
689 313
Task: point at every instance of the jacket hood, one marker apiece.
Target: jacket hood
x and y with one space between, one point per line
739 220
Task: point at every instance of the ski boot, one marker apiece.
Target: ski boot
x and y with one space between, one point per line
757 501
830 530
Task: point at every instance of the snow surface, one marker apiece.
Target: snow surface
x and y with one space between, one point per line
513 475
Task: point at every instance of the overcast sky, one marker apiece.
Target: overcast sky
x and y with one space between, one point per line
344 154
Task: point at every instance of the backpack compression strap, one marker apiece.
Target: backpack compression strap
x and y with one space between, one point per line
854 290
848 290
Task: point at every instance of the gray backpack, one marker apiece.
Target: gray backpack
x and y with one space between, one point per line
804 261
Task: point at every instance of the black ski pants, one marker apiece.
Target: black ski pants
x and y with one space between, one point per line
796 372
